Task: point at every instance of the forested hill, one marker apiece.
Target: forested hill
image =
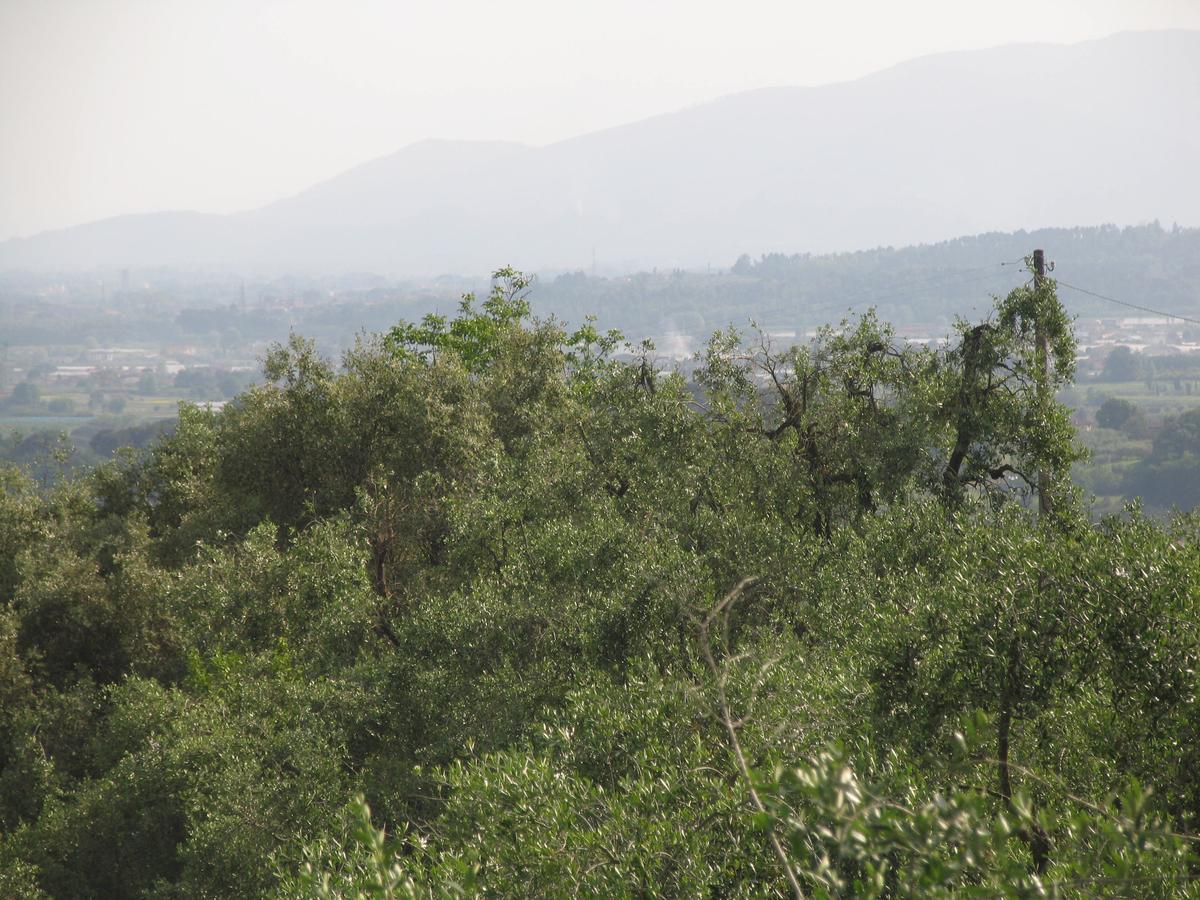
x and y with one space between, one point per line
927 284
499 608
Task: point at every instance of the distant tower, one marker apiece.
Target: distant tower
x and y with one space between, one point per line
242 295
124 281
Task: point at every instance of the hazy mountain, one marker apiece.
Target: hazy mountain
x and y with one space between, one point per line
1013 137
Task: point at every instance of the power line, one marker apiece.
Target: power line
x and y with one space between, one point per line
1157 312
956 279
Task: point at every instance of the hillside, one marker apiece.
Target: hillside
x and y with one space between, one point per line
950 144
928 284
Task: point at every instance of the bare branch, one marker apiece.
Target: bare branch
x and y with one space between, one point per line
720 613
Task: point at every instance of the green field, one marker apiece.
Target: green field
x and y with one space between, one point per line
43 423
1160 400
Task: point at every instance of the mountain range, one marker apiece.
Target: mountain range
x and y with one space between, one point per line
1019 136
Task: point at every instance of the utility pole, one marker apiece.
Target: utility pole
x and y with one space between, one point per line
1045 504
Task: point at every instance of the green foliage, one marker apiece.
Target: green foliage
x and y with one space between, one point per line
356 862
851 838
467 576
1122 365
1169 477
473 334
1114 413
26 393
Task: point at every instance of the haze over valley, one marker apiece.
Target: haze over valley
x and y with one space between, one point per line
955 144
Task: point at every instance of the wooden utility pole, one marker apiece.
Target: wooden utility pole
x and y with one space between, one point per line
1035 836
1045 503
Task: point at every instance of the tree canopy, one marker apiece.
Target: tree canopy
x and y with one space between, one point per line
500 607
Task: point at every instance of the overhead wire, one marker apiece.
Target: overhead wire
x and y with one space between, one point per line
955 279
1137 306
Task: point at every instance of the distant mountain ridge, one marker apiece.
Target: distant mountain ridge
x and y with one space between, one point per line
1013 137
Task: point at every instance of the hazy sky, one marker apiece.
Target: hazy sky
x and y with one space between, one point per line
117 106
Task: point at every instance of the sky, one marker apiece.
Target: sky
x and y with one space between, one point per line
110 107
